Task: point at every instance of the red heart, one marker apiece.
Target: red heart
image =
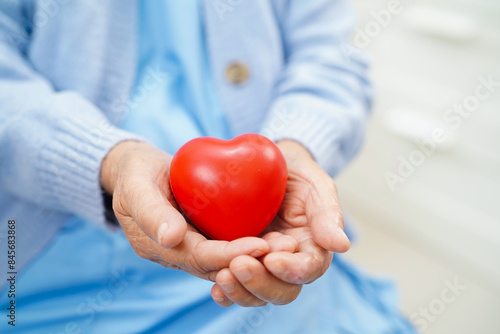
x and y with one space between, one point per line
229 189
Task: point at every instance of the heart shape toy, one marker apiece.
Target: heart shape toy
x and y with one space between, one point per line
229 189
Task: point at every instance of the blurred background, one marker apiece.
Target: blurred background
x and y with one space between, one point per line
425 191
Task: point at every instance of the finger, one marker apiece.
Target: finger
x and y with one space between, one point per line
235 292
279 242
325 214
219 297
197 255
254 277
303 267
152 212
212 255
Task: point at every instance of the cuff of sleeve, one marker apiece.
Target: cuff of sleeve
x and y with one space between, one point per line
308 121
69 165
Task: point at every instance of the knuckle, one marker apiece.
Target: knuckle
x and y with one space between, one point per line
212 276
195 260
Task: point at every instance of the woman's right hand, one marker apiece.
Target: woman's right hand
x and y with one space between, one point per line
137 175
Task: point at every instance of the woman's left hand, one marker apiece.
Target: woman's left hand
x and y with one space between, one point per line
302 237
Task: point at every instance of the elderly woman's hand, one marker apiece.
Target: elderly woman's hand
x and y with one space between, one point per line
311 216
136 174
297 248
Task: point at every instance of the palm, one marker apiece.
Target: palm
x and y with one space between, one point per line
301 238
311 214
292 214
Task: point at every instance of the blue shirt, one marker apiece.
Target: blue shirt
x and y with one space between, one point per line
90 280
121 293
80 66
177 103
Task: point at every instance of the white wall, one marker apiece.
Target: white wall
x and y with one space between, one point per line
427 58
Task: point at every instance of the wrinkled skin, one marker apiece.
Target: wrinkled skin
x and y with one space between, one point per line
296 249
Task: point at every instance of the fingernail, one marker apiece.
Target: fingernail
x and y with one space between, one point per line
219 300
242 273
228 287
162 230
257 253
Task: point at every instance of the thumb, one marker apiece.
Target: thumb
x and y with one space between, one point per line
327 221
152 212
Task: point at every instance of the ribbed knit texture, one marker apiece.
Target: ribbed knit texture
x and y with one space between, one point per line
67 69
69 165
65 80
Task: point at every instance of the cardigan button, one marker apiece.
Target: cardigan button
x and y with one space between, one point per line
237 73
